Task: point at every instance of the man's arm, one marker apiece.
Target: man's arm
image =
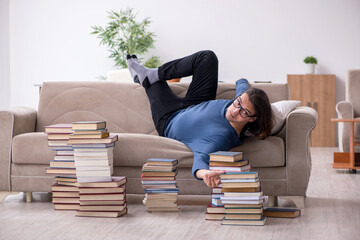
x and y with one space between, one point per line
211 178
241 85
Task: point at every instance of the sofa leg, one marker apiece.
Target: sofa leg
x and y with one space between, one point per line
3 195
29 197
273 201
299 201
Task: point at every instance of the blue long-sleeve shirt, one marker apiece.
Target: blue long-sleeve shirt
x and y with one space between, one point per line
204 128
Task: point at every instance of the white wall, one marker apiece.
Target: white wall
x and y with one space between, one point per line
258 40
4 55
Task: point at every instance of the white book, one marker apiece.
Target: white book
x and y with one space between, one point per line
216 190
245 168
94 163
240 180
82 150
95 153
242 198
103 173
217 195
216 202
91 157
243 194
242 201
67 157
158 182
94 179
65 152
93 168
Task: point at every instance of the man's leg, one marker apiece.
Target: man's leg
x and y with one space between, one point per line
203 66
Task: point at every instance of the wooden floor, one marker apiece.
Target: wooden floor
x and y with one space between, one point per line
332 212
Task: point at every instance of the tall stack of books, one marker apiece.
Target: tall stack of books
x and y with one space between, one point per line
159 180
103 199
243 199
65 193
93 151
223 161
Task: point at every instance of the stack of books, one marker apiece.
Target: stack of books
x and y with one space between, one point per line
159 181
102 199
243 199
65 193
93 151
228 162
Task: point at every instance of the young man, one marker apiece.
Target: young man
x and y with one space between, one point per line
203 124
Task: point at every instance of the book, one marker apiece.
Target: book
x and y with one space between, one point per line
102 196
86 179
214 216
66 194
68 152
235 198
62 164
243 206
101 214
157 178
242 216
57 143
59 128
66 206
92 162
88 125
238 175
61 171
158 168
82 136
243 194
66 200
163 209
247 189
245 168
260 201
260 222
282 212
151 190
112 138
99 131
149 182
224 156
240 180
64 157
102 202
56 187
161 161
115 182
229 164
58 136
240 184
91 190
65 179
87 147
245 210
159 174
214 209
106 208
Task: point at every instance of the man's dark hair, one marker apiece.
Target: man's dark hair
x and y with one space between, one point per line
263 124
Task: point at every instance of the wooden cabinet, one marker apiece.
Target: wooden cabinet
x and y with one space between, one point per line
317 91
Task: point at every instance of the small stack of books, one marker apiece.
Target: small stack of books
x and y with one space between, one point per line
158 179
102 199
93 151
65 194
224 161
242 199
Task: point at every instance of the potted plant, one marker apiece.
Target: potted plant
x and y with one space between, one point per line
310 62
123 35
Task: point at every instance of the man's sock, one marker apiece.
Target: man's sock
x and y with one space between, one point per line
132 72
147 76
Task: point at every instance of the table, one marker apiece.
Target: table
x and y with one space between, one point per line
348 160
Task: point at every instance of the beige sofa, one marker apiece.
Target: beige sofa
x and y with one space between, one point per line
283 161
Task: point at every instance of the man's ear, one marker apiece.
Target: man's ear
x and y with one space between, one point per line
252 119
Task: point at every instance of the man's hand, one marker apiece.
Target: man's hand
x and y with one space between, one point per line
210 177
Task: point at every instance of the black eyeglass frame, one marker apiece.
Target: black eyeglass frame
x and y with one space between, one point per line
241 112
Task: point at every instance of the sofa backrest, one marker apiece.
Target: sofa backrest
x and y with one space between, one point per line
352 90
124 106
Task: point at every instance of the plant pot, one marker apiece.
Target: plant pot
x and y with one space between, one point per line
120 75
310 68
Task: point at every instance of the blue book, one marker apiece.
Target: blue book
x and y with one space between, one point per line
176 190
162 161
225 156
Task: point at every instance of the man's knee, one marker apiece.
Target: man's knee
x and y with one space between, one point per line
208 54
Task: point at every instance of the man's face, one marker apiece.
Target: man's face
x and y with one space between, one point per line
241 110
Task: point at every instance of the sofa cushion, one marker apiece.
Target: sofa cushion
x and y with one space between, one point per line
133 149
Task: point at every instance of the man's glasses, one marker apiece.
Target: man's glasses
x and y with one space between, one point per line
243 113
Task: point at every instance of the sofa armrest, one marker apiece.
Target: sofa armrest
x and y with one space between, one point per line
344 109
14 121
299 124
